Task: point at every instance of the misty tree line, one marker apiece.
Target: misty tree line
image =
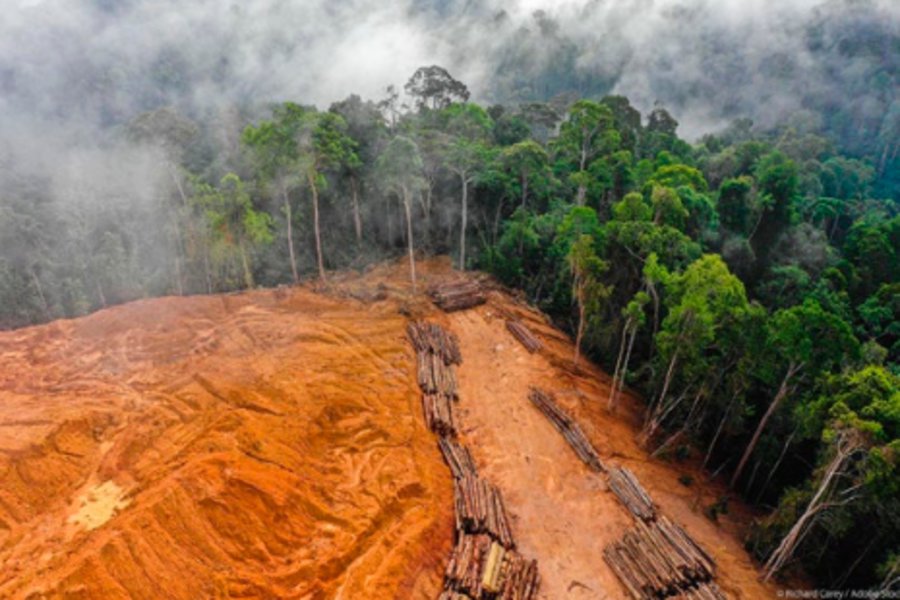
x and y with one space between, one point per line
748 286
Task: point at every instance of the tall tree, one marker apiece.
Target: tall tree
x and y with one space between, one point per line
324 145
366 126
275 154
433 87
466 155
588 291
527 161
700 301
399 169
236 225
804 340
586 133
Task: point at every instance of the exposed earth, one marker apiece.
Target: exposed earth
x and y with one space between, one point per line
270 444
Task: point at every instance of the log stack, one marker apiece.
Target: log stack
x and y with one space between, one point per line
438 409
465 571
458 295
457 458
434 375
437 353
429 337
569 429
484 564
480 509
524 335
628 489
480 568
660 560
451 595
520 578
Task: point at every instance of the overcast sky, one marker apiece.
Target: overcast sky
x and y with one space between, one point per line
77 64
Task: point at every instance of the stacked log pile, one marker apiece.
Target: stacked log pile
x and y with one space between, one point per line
480 509
458 295
524 335
628 489
437 353
519 577
660 560
480 568
656 558
438 411
484 564
465 571
569 429
429 337
451 595
457 458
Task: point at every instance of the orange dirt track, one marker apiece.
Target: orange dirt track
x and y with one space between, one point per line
270 444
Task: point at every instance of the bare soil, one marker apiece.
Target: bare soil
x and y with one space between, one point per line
270 444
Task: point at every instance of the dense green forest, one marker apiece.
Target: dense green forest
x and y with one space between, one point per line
747 285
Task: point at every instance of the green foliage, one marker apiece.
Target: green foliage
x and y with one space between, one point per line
237 228
433 87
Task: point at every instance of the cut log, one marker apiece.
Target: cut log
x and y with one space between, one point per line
630 493
458 295
524 335
480 509
457 458
659 560
569 429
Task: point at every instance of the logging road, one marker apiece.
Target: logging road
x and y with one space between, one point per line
561 514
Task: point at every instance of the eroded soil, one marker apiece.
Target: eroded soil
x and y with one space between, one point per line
270 444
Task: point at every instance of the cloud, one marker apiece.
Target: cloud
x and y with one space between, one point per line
100 62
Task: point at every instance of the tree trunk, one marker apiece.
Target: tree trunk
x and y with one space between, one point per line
179 286
290 235
206 268
409 237
668 380
719 429
784 449
788 545
579 334
615 377
248 276
580 196
357 220
782 393
315 197
621 380
100 293
465 216
40 291
496 227
390 223
177 181
658 416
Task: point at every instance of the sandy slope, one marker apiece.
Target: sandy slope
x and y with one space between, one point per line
271 445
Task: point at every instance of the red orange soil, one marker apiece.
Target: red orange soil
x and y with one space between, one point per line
563 514
271 445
